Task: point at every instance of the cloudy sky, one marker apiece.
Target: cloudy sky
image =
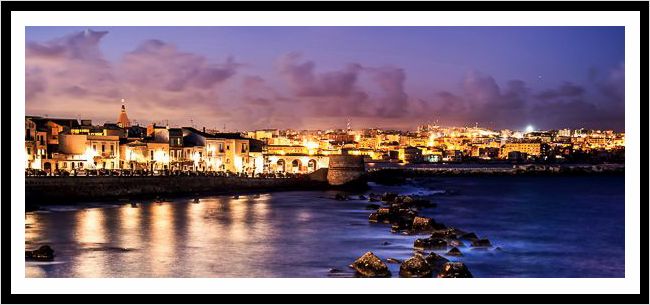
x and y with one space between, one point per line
319 77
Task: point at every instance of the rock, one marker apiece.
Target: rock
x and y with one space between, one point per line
374 197
372 206
455 243
375 218
393 260
498 249
439 226
430 243
388 197
435 261
454 252
384 211
422 223
415 266
401 223
235 197
444 233
454 270
469 236
43 253
340 197
334 270
386 243
481 243
361 197
386 214
415 202
369 265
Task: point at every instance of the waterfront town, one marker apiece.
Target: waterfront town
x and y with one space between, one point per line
65 146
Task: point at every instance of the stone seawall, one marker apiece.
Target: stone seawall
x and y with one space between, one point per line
56 190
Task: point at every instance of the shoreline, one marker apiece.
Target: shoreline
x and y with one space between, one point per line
47 191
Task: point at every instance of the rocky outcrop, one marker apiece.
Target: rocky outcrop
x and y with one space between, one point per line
454 252
43 253
430 244
388 197
469 236
435 261
444 233
415 266
455 242
369 265
422 223
481 243
454 269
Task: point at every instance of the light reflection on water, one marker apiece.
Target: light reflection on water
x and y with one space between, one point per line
90 231
304 234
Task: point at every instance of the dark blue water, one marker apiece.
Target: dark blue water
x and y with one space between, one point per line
546 227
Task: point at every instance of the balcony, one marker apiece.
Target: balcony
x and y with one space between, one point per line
108 155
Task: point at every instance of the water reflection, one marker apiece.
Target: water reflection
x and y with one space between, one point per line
237 229
32 228
130 233
162 240
90 235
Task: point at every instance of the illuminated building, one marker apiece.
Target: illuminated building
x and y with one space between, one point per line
87 151
221 151
42 140
411 155
529 148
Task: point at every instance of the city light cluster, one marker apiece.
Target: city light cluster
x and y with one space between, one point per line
72 146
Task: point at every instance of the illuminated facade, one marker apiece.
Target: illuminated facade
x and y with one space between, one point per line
530 149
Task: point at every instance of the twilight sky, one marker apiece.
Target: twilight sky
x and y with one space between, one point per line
318 77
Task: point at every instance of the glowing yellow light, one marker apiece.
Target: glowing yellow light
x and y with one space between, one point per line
311 146
238 164
160 156
196 158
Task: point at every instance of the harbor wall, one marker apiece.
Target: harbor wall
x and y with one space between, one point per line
56 190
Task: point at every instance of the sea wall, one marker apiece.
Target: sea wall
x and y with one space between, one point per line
54 190
396 174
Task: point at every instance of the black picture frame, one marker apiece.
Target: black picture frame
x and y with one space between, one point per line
52 6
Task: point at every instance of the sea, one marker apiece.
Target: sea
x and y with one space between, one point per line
540 227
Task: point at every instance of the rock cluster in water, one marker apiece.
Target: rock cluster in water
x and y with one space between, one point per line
401 212
43 253
369 265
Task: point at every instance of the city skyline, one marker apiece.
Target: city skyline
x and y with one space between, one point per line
319 77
